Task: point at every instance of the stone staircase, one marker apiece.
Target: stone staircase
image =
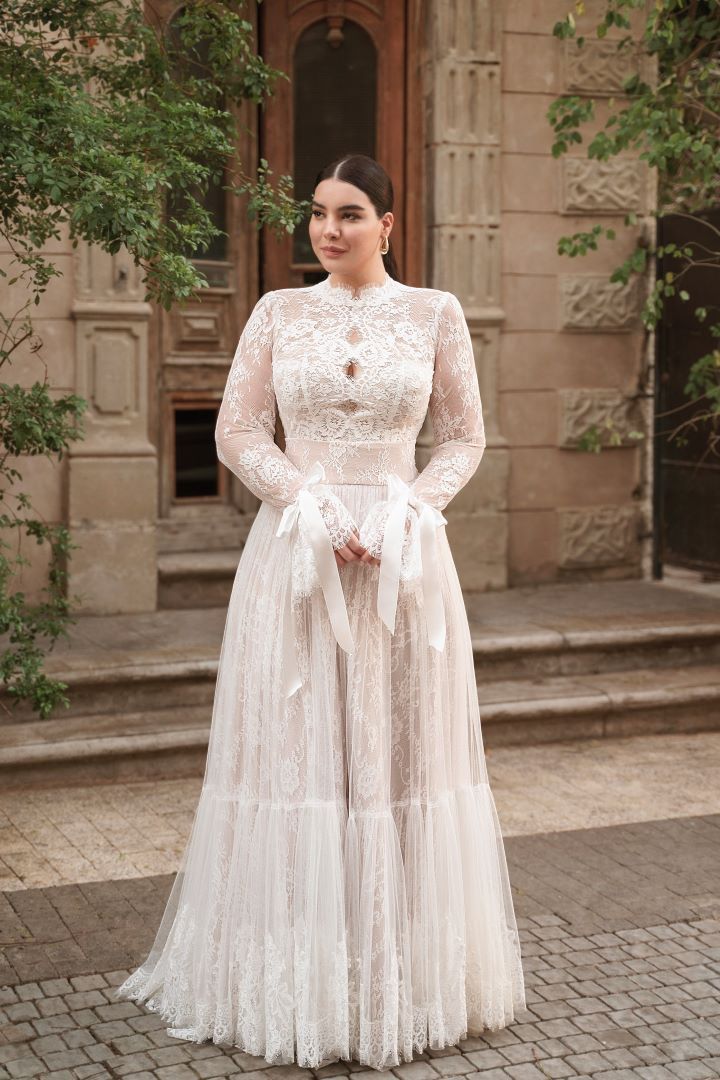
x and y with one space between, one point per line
552 662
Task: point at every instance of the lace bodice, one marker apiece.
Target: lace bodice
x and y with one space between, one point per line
352 376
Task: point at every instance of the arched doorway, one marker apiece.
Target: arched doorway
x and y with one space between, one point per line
353 86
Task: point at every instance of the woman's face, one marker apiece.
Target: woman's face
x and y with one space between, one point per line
345 232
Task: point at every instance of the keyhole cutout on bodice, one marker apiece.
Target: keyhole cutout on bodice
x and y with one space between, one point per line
354 336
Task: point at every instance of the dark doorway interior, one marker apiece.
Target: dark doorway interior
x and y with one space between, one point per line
687 471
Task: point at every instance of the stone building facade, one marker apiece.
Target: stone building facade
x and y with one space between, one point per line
455 99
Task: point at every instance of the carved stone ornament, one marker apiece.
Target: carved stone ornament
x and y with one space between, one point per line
598 536
603 187
598 67
613 414
591 302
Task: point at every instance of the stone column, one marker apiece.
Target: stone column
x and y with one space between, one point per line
462 107
112 496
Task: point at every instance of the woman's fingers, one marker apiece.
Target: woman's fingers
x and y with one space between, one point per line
355 546
353 551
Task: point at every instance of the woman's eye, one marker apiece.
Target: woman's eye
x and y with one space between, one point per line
318 213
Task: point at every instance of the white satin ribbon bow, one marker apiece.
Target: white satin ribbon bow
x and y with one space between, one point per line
391 556
305 506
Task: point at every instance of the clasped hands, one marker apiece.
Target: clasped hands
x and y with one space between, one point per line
371 532
353 551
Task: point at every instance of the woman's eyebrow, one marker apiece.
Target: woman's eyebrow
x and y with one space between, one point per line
348 206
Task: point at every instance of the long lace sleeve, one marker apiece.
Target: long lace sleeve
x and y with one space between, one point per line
455 412
245 429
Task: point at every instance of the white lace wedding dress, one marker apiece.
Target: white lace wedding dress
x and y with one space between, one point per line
344 891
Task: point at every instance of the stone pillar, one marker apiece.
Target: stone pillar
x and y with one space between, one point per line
462 137
112 497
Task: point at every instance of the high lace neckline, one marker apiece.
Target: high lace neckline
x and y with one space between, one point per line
353 293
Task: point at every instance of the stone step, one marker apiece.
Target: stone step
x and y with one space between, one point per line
196 579
170 659
171 742
593 649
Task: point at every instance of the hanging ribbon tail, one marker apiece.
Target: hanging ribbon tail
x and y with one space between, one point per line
327 570
391 553
430 519
305 506
291 673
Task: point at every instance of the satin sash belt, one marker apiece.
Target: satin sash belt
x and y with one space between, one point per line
400 497
305 506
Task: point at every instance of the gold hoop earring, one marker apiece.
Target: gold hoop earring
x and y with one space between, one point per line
384 251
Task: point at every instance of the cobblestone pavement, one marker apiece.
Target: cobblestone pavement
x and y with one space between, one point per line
620 927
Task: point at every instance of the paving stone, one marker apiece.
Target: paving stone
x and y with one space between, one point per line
556 1068
526 1071
483 1060
691 1070
452 1065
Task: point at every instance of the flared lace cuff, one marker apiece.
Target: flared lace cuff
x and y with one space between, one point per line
402 532
339 522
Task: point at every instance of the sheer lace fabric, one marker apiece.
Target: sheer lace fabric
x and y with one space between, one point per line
344 891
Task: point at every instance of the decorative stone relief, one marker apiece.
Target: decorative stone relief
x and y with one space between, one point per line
467 263
611 413
465 102
598 536
462 102
603 187
598 67
112 385
112 376
466 29
466 186
591 302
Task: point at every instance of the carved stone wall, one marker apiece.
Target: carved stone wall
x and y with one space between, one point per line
598 67
462 92
598 536
592 302
615 416
571 346
112 482
603 187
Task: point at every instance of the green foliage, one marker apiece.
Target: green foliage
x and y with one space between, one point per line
669 117
102 115
105 121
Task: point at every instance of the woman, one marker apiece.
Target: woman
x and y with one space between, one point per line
344 891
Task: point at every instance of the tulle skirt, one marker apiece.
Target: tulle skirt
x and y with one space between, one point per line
344 892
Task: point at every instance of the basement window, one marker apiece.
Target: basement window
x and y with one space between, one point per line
196 467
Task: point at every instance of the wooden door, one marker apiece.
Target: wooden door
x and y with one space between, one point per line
354 86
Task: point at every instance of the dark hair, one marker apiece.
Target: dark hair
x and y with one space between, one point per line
367 174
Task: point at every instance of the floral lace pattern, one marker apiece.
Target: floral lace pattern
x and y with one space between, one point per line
343 893
409 351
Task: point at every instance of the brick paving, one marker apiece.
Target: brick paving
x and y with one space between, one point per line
620 928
